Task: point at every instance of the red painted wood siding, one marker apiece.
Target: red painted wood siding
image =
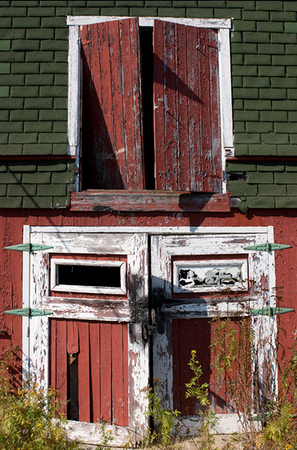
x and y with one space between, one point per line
198 334
11 233
112 128
102 367
187 108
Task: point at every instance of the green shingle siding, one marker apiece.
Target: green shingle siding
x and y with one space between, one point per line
33 80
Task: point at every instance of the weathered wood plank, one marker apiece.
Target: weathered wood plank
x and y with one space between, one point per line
106 370
61 362
184 149
149 201
88 309
177 94
117 374
84 388
72 337
95 378
125 406
131 96
214 95
112 138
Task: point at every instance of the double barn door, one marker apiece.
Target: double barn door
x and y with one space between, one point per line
128 305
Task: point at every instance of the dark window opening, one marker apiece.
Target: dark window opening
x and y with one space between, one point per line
72 387
147 62
89 276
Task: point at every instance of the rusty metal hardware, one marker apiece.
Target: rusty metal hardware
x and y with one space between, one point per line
267 247
29 312
270 311
28 247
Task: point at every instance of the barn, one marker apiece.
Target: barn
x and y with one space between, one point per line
147 185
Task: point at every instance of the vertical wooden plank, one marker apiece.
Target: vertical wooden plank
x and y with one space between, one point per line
194 109
72 337
159 106
106 369
185 354
84 372
125 405
216 152
116 128
205 118
165 92
185 161
53 353
170 93
200 342
186 96
112 139
117 373
131 96
176 346
61 358
95 371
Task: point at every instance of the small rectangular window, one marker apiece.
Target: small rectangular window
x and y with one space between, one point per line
210 276
88 276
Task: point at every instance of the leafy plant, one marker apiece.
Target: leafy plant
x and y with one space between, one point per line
106 437
162 416
193 388
207 417
29 416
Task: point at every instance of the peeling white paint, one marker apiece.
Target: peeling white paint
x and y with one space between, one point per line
133 243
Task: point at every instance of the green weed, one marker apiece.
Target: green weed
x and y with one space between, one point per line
29 416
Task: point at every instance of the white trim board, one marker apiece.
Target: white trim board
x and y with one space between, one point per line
149 21
151 230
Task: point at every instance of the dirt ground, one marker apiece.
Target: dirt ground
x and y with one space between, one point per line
221 440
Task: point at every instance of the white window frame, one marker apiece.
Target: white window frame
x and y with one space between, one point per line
74 80
57 287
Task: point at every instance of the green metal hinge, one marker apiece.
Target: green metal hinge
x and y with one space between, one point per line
267 247
29 312
269 311
28 247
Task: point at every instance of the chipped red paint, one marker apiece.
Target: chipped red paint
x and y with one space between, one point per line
102 368
112 136
187 108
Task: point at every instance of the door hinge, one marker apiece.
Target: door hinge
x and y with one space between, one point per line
267 247
29 312
28 247
270 311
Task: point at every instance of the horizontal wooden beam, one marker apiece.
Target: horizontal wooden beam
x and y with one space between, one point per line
148 201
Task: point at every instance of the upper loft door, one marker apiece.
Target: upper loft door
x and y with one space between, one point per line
153 116
92 347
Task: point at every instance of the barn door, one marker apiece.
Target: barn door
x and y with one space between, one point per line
92 348
194 279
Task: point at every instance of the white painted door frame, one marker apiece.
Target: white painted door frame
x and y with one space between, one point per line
35 342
